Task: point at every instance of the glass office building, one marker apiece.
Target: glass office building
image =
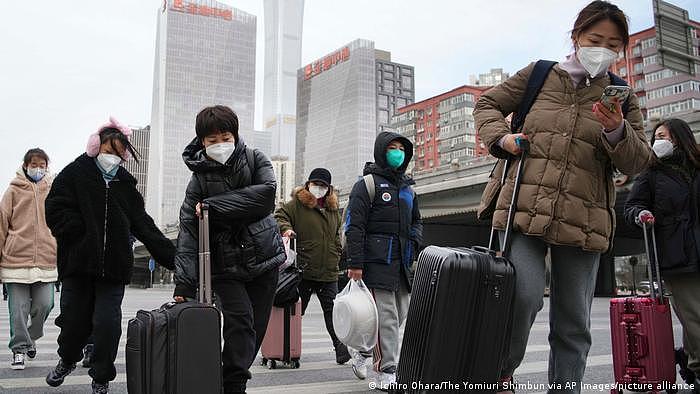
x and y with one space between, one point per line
341 99
205 55
283 31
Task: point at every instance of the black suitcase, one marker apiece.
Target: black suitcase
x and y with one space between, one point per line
177 349
459 319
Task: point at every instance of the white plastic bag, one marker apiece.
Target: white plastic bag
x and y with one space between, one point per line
355 319
291 253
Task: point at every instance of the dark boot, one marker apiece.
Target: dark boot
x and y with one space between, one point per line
87 355
100 388
682 361
58 374
341 353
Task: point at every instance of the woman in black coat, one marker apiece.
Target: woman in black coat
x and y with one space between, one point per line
92 210
238 184
666 196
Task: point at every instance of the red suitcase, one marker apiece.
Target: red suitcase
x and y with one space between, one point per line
282 340
642 336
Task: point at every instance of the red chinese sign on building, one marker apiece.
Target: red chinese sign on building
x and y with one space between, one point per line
326 63
203 10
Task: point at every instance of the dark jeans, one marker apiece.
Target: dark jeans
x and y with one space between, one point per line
90 306
326 292
246 308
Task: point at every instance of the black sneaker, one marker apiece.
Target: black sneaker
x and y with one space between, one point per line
31 354
341 354
87 356
100 388
57 375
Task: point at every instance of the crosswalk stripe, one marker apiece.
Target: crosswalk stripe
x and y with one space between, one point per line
338 386
308 388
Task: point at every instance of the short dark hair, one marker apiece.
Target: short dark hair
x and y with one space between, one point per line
36 152
683 136
216 119
111 134
598 11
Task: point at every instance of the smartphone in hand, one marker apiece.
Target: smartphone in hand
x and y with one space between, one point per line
614 91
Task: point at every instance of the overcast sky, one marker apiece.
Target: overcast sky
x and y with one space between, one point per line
65 66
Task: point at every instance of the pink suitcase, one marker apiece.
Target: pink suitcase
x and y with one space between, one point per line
642 337
282 340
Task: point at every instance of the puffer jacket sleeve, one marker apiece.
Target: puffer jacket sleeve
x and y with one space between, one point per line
186 257
252 202
6 205
145 230
61 208
417 228
632 154
495 105
639 198
356 213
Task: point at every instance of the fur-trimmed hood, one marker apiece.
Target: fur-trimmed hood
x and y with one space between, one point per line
308 200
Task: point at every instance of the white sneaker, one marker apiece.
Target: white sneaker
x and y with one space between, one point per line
17 361
359 365
386 381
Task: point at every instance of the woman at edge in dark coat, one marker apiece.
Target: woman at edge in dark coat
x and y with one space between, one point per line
667 195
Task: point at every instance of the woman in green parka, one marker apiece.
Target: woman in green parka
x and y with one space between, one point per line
313 218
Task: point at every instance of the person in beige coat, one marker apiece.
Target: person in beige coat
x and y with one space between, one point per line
567 196
27 255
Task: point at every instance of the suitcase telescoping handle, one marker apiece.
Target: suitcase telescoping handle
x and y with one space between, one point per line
524 145
653 260
204 294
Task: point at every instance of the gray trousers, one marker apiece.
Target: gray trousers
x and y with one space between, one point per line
573 275
27 301
686 304
392 308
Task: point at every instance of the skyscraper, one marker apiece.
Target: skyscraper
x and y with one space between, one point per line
140 139
205 55
283 29
343 99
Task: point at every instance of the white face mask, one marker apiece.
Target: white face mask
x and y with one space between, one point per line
596 60
36 173
221 152
318 191
662 148
108 162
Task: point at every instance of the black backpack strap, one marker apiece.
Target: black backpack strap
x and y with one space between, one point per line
615 80
534 85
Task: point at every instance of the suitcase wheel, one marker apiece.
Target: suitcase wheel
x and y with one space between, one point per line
264 362
295 364
272 364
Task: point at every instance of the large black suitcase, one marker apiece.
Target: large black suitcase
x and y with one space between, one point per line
458 323
176 349
459 319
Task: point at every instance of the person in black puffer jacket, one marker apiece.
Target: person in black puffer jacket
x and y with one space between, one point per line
667 194
238 184
92 210
383 236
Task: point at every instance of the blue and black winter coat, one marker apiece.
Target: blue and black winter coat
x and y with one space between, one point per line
384 235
